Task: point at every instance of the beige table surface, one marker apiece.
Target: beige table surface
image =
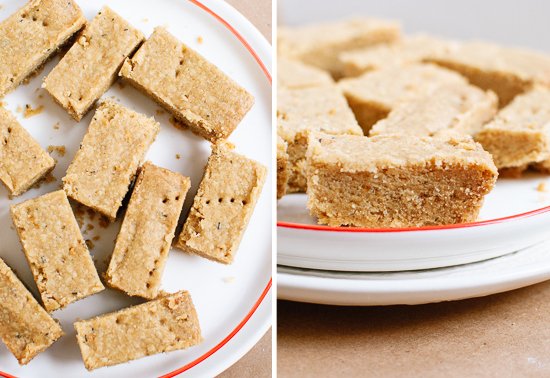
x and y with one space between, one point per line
503 335
257 362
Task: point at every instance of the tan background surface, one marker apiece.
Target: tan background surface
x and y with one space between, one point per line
504 335
257 362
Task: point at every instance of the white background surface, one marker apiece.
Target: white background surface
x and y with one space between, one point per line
223 295
514 22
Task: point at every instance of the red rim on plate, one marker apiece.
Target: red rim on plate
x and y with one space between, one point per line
314 227
268 286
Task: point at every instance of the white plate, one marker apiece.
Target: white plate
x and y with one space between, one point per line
515 215
233 302
505 273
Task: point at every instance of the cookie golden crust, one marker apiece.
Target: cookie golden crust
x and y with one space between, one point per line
222 208
23 162
33 34
302 111
282 167
397 180
320 44
506 71
520 133
25 327
194 90
147 231
162 325
294 74
408 50
459 108
374 94
53 245
109 156
91 65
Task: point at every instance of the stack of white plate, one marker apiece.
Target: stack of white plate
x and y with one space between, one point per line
508 248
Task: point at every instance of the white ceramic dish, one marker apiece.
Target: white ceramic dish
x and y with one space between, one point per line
233 302
516 214
513 271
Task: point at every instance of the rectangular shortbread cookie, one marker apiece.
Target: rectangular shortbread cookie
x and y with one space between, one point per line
520 133
460 108
25 327
33 34
109 156
162 325
302 111
373 95
58 257
194 90
504 70
142 245
320 44
91 65
223 205
397 180
22 160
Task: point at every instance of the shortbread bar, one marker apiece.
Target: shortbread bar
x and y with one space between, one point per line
520 133
109 156
142 246
320 44
506 71
59 259
223 205
282 167
302 111
294 74
22 161
33 34
26 328
373 95
413 49
161 325
397 180
194 90
92 63
460 108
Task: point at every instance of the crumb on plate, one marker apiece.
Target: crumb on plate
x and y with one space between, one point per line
59 150
30 112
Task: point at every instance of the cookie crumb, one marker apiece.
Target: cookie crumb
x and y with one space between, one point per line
145 20
103 222
56 126
49 178
200 39
178 156
60 150
541 187
91 214
176 123
96 238
30 112
229 279
160 111
90 244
